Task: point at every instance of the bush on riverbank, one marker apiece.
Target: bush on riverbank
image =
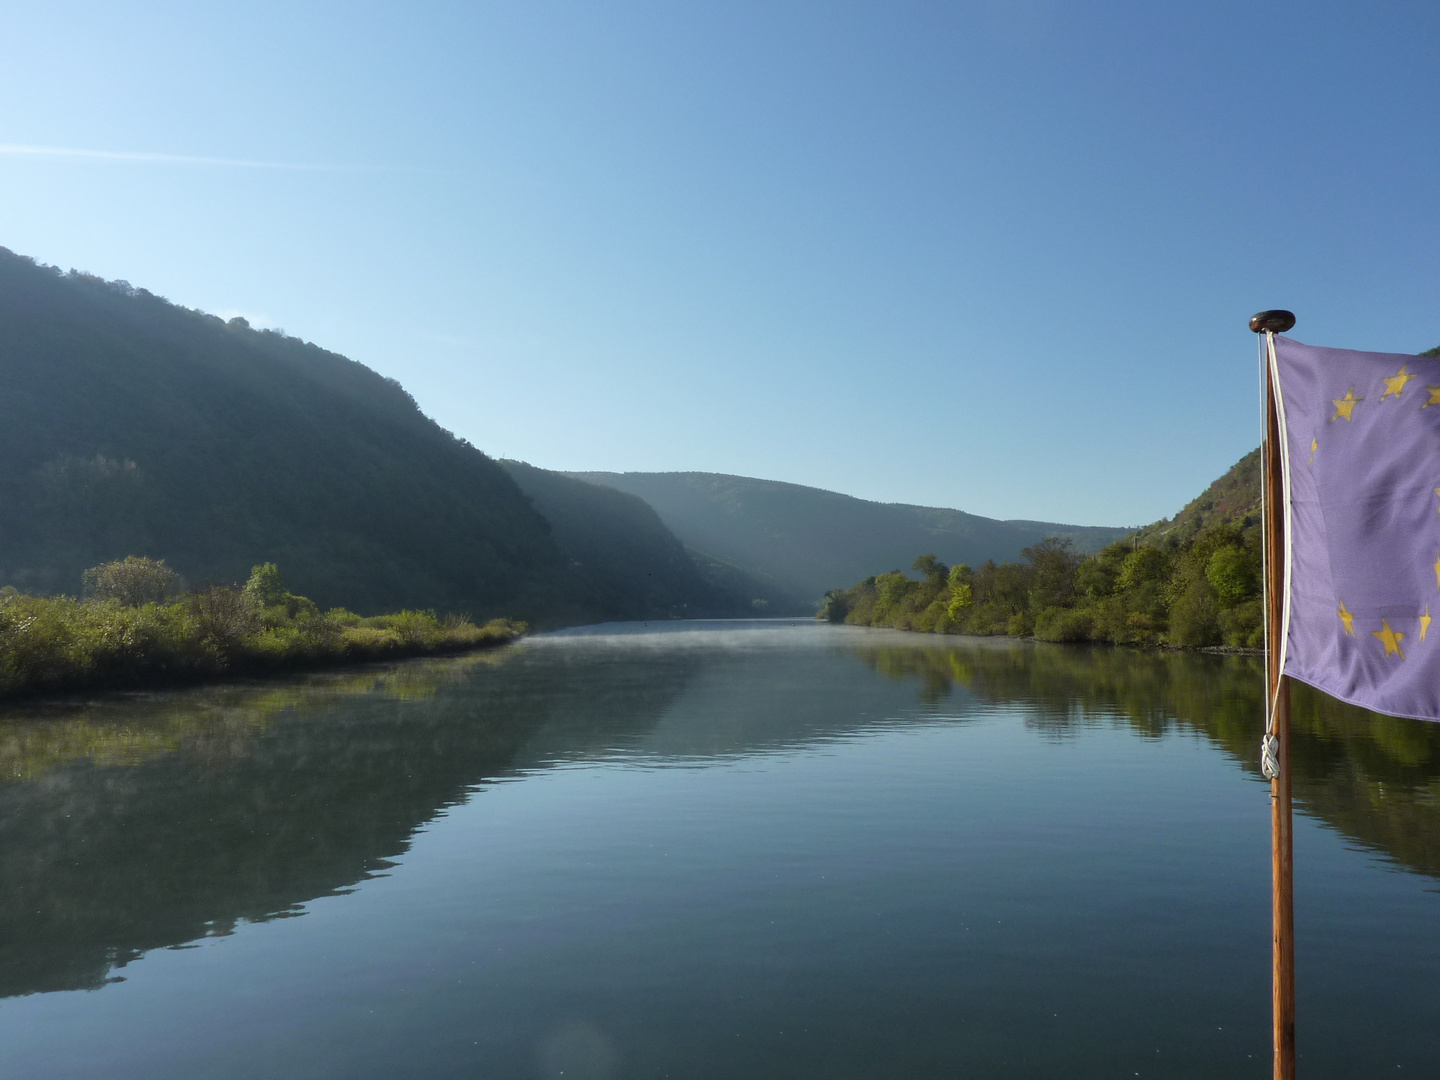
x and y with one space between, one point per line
1202 591
126 633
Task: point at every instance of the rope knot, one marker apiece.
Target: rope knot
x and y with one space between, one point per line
1270 757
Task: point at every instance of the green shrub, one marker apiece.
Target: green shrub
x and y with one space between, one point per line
1064 624
1194 617
222 617
54 643
1241 627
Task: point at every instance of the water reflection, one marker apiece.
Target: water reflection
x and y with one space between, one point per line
148 821
1376 779
152 821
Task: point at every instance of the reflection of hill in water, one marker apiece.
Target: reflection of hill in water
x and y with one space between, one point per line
180 815
154 820
1375 779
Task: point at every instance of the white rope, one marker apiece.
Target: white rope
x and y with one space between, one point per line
1285 497
1270 744
1270 756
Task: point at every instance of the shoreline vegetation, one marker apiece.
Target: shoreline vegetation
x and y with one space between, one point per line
1191 582
136 627
1200 592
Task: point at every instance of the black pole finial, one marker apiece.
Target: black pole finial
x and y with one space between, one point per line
1276 321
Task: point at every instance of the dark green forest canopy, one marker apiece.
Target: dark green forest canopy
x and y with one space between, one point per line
133 426
136 427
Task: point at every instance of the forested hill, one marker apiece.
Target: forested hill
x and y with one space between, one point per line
132 426
629 565
807 539
1233 499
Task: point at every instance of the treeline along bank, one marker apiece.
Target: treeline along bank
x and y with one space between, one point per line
1192 582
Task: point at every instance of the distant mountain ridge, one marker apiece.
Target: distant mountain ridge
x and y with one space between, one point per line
811 540
132 426
626 563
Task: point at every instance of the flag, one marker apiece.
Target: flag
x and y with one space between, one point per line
1361 469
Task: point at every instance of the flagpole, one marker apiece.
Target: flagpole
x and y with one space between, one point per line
1277 703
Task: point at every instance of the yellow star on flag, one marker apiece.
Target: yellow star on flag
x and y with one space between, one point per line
1396 382
1315 445
1425 622
1434 397
1437 573
1346 405
1348 617
1390 638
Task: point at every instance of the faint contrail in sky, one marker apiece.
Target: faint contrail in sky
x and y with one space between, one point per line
139 157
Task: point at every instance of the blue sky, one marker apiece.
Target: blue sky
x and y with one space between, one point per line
996 256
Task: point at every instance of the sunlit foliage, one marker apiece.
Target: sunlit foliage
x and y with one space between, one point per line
1201 591
1190 582
125 635
132 581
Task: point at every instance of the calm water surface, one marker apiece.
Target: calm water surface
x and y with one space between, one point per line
711 850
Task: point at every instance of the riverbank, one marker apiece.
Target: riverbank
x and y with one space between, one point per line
52 645
1199 592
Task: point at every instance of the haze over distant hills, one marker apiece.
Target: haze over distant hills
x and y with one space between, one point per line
810 540
627 563
132 426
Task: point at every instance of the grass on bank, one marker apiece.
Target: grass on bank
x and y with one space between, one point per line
135 627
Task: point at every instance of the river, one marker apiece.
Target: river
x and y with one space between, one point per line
764 849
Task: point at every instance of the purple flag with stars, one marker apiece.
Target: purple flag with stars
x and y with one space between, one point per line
1362 438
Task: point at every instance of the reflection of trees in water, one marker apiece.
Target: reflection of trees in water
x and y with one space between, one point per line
216 722
153 820
1374 778
156 820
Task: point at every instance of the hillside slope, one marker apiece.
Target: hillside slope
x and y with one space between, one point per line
811 540
627 564
1233 499
129 425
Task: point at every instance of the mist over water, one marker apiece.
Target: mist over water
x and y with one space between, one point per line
760 848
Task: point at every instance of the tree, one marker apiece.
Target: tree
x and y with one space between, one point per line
962 593
265 587
1143 565
222 616
133 581
267 594
934 570
1053 583
1232 575
836 607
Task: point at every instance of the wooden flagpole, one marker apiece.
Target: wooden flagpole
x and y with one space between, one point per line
1277 698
